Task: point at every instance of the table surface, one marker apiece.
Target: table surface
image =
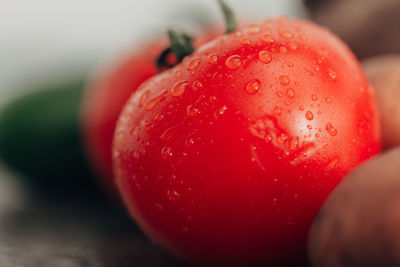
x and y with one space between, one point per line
68 230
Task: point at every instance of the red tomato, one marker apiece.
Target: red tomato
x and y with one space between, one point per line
226 158
107 95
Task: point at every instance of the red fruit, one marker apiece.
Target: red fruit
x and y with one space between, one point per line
107 95
226 158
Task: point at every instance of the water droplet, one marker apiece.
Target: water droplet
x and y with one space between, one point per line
253 29
332 75
136 154
309 127
264 57
213 98
197 85
284 80
148 127
279 94
217 114
290 93
286 34
290 64
330 129
193 64
192 111
301 108
173 195
281 139
189 142
309 115
166 152
159 117
233 62
169 133
277 111
293 46
143 98
154 101
314 97
252 87
245 41
267 38
213 59
294 143
283 50
179 88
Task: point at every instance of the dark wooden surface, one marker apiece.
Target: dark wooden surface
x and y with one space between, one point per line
66 230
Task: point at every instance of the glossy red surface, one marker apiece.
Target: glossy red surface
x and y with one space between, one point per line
226 158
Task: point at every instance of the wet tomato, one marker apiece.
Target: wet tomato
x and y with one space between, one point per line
226 158
107 94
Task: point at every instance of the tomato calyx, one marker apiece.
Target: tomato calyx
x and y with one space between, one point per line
181 46
181 43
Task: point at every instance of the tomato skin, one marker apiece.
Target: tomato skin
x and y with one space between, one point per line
106 95
103 103
227 162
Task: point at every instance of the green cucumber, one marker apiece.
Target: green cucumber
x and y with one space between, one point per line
39 136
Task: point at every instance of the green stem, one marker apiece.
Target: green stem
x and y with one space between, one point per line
230 19
181 46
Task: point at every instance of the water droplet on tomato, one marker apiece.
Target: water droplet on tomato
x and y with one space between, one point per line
192 111
309 115
286 34
264 57
290 93
213 59
252 87
189 142
330 129
173 195
267 38
197 85
245 41
279 94
290 64
233 62
301 108
159 117
154 101
218 113
169 133
179 88
193 64
293 46
281 138
332 75
314 97
294 142
143 98
166 152
284 80
283 50
277 111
